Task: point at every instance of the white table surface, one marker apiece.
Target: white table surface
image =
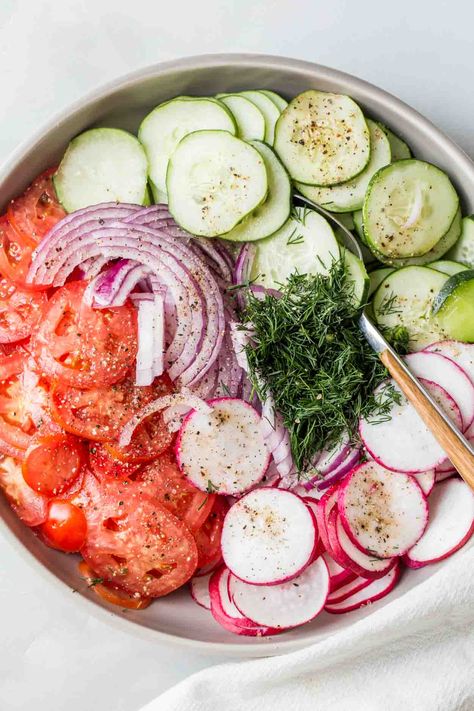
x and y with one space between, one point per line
53 656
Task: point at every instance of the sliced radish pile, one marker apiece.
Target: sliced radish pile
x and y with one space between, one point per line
268 536
289 604
323 509
375 591
199 587
383 512
350 588
225 612
448 375
402 441
450 526
442 476
338 576
426 480
367 566
225 450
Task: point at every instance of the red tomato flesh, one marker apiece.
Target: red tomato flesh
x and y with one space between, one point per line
111 594
53 463
35 212
29 506
20 311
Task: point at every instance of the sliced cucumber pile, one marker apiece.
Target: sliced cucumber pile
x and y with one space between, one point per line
271 112
163 128
453 306
409 206
248 117
213 181
463 250
102 165
376 278
398 148
447 267
349 196
357 274
276 98
405 298
322 138
306 244
275 211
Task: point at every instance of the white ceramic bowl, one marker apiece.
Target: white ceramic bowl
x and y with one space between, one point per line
123 103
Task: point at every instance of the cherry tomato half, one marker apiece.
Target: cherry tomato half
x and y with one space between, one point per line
35 212
65 527
82 346
53 463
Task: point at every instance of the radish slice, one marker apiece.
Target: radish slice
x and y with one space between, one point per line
426 480
442 476
383 513
461 353
402 442
223 450
350 588
199 587
338 576
325 504
287 605
268 536
364 565
451 524
375 591
447 374
225 612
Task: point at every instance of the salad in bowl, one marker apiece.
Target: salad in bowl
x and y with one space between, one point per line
186 398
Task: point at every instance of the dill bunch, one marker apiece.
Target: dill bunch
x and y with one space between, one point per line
307 349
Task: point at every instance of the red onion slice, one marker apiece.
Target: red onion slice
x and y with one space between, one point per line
145 304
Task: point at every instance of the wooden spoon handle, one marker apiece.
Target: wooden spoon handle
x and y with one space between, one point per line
458 453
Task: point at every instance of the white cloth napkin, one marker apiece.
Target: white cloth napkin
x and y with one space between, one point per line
414 654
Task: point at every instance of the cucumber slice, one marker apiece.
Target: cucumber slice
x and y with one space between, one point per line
276 98
305 244
359 225
438 251
269 109
357 274
349 196
275 211
214 180
445 266
409 206
163 128
346 219
398 148
248 117
101 165
405 298
322 138
463 250
454 306
376 278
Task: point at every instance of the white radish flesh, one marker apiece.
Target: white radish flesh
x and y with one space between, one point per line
449 376
375 591
402 442
350 588
450 526
371 565
200 590
383 512
286 605
224 450
426 480
268 536
338 576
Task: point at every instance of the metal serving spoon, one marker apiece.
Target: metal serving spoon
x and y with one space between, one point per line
457 447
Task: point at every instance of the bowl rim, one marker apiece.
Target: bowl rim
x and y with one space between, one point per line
122 82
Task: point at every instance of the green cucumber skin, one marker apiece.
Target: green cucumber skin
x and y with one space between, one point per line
400 149
405 260
450 286
454 306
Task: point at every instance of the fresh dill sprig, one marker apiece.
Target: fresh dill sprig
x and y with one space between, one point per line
295 238
388 306
307 349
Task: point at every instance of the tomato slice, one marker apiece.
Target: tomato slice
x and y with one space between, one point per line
29 506
101 413
208 537
163 480
135 543
151 438
65 527
15 253
23 403
20 311
35 212
104 466
111 594
53 464
82 346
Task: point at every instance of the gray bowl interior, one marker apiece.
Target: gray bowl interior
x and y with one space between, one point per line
124 103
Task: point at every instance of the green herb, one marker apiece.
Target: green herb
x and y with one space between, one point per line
295 238
93 581
225 388
211 488
309 352
243 285
388 306
203 503
398 337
